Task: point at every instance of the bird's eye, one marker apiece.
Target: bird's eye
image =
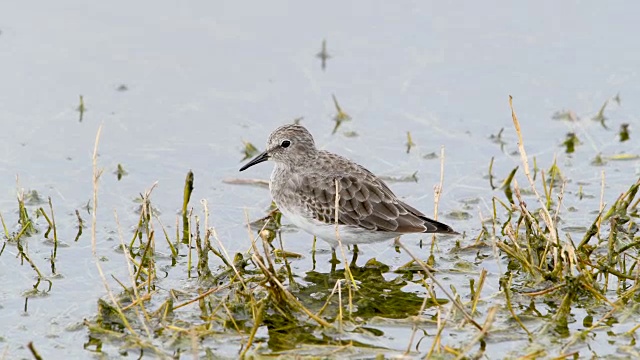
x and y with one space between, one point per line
285 143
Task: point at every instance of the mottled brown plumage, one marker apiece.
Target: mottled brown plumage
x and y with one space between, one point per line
303 186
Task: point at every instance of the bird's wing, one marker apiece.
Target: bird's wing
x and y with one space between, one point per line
365 202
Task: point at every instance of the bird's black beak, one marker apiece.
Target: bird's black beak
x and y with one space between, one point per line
256 160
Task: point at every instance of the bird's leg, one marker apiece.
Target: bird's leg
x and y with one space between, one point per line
354 258
313 253
334 258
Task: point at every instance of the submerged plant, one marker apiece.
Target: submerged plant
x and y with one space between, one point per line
340 117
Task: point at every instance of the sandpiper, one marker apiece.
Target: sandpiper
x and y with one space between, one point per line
303 186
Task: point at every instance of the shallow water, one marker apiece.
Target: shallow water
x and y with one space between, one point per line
202 77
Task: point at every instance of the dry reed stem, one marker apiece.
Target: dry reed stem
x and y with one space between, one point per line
194 343
494 243
437 191
55 228
257 259
230 315
237 181
437 340
326 303
94 225
476 297
257 321
226 254
339 305
213 232
602 182
455 303
287 265
485 329
544 291
560 198
525 163
414 326
190 248
510 307
348 274
128 260
511 235
578 335
201 296
289 296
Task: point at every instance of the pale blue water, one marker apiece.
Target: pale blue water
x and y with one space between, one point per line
203 76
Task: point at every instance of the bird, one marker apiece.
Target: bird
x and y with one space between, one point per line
303 186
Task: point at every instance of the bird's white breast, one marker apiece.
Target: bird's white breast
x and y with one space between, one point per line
327 232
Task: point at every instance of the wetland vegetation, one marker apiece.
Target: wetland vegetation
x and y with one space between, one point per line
557 288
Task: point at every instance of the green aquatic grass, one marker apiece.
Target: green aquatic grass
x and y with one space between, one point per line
600 117
323 55
570 143
21 237
81 109
246 293
249 151
258 303
325 312
340 116
624 132
120 172
410 143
